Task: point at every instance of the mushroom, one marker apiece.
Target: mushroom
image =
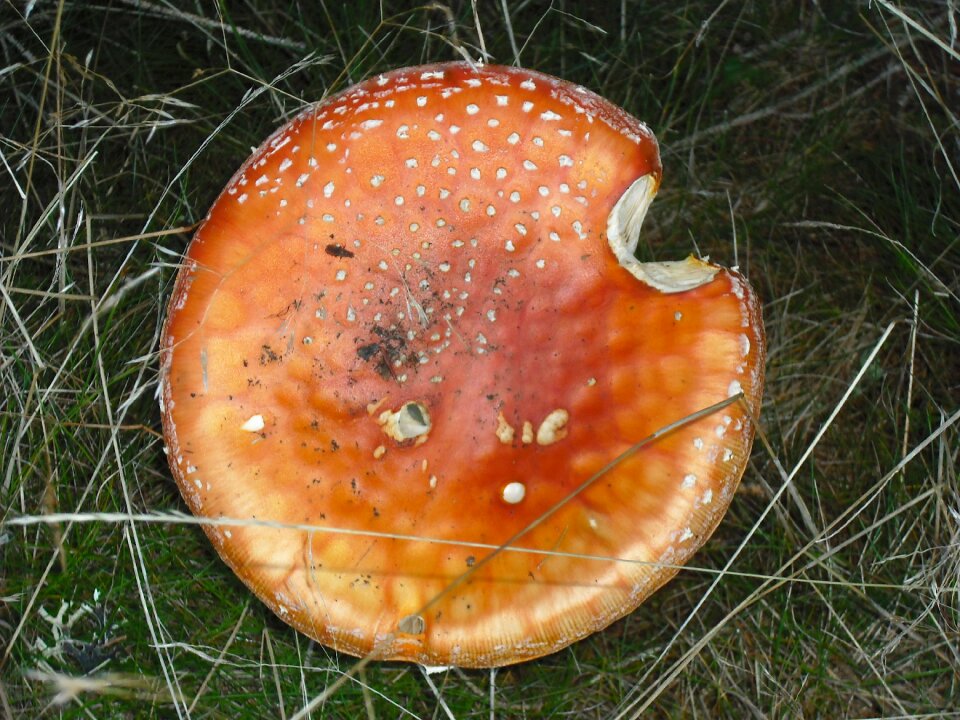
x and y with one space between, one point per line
413 327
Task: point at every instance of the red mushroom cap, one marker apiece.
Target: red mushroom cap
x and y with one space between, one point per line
415 312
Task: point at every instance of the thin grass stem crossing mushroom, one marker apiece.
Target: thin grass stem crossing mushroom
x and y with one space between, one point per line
416 312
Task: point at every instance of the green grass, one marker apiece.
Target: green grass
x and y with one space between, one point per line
825 134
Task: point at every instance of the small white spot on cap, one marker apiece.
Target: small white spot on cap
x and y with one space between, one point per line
421 101
553 427
472 109
253 424
328 189
736 286
514 492
412 420
526 434
734 389
504 430
689 481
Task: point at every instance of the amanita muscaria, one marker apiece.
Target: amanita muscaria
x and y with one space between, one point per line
414 321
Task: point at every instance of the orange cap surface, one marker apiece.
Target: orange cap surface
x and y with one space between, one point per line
413 321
